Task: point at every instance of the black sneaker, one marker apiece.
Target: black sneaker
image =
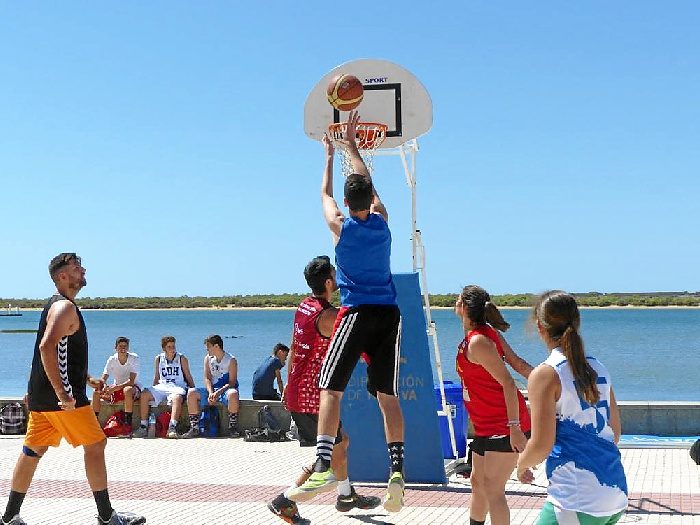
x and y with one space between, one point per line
287 510
234 433
355 501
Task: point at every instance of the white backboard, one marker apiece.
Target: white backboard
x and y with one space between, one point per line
392 96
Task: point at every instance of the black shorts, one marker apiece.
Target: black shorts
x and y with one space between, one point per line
307 424
482 444
371 329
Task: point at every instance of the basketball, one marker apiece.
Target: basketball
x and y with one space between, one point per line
345 92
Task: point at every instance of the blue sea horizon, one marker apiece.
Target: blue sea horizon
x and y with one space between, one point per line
652 354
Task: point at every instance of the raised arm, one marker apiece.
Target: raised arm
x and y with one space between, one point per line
331 212
358 165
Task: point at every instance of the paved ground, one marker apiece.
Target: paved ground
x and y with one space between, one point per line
183 482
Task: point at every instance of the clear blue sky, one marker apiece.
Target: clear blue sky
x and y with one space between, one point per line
163 141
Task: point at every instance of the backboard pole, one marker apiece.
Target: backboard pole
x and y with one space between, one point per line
411 147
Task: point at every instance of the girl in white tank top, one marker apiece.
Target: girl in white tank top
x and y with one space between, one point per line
575 424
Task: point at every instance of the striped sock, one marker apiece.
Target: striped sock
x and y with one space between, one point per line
233 420
324 447
194 421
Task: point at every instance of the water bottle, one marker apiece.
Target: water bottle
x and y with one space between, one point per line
152 425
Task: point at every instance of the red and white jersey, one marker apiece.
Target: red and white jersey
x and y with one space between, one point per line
309 349
483 395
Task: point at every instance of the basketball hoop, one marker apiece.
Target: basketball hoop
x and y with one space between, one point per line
369 136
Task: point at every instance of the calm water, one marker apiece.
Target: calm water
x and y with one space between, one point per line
652 354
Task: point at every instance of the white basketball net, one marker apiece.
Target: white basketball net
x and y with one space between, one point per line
369 137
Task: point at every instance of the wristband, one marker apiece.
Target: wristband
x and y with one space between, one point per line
513 423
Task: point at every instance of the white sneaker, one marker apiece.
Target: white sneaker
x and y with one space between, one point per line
393 501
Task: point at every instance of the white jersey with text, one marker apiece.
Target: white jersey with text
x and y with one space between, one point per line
170 372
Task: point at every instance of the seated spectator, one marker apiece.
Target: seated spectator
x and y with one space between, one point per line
170 382
266 373
220 386
123 368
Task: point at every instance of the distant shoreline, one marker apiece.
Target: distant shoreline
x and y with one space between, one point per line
283 308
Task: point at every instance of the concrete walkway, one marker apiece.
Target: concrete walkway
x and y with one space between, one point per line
225 481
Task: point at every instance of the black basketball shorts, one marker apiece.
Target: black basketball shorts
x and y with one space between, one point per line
374 330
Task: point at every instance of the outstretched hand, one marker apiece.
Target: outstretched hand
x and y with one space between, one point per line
350 129
328 145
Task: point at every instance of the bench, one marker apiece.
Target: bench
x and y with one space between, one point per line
247 414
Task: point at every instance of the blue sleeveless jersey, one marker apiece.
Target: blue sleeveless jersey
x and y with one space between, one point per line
362 259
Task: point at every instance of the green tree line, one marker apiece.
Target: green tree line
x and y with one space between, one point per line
293 299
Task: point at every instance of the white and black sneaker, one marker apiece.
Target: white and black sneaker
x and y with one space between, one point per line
122 518
14 521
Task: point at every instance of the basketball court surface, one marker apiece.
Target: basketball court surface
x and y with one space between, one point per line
181 482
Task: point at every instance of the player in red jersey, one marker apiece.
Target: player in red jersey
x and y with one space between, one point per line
313 327
496 407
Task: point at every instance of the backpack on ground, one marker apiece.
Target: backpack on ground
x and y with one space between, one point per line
209 422
116 425
269 429
13 419
162 423
264 435
266 419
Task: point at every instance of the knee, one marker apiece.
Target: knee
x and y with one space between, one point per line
232 395
96 449
494 489
476 482
193 394
128 391
387 401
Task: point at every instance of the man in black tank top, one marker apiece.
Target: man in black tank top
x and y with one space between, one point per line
58 404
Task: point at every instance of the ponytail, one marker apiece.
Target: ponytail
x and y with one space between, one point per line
585 377
494 318
557 312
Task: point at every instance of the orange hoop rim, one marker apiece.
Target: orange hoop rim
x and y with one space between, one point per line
370 135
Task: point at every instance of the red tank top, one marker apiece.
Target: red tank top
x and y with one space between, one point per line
483 395
310 347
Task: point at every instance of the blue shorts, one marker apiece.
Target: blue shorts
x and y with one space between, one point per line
204 396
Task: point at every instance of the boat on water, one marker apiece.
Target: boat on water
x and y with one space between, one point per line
10 311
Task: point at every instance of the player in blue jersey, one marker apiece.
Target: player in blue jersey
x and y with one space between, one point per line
368 321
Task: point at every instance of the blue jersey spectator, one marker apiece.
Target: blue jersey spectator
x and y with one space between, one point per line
267 372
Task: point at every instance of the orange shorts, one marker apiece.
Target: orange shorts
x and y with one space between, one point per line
79 427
